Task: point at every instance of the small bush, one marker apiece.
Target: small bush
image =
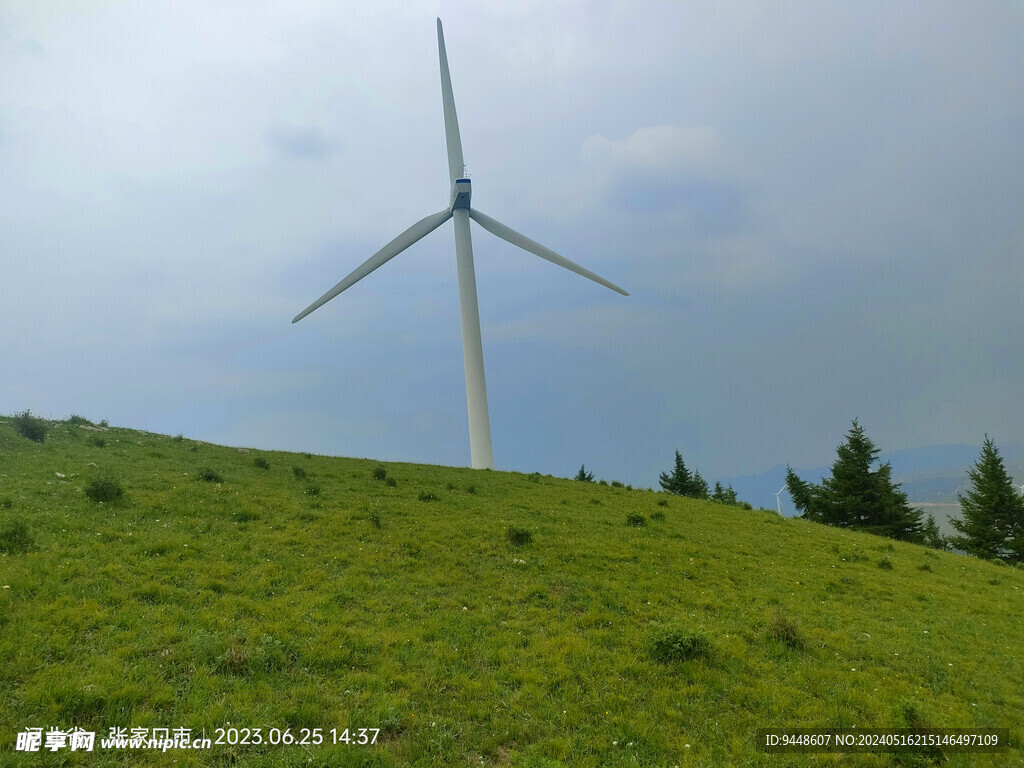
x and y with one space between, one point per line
30 426
99 442
925 567
76 420
518 536
208 475
104 489
299 472
104 423
307 455
662 503
602 482
391 482
261 463
425 496
637 521
885 564
15 536
379 472
675 643
470 489
179 437
785 630
659 516
616 484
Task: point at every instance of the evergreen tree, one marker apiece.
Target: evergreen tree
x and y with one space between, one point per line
583 475
698 486
719 494
679 482
729 495
855 496
932 536
993 512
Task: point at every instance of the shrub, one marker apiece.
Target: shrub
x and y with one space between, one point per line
208 475
104 489
104 423
307 455
659 516
785 630
30 426
675 643
885 564
425 496
99 442
925 567
470 489
379 472
299 472
616 484
602 482
518 536
15 536
179 437
76 420
662 503
391 482
261 463
637 521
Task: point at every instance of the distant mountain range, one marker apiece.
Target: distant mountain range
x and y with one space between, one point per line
932 474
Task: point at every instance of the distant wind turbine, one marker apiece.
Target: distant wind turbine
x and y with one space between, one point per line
459 209
778 502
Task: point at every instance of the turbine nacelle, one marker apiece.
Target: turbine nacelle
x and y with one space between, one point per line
462 190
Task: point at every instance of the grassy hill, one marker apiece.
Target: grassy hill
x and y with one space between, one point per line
334 593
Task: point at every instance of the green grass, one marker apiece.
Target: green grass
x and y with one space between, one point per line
251 601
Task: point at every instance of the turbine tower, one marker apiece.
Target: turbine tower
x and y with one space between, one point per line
460 210
778 502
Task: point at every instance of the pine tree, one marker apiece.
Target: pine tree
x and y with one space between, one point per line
932 536
719 493
855 496
583 475
993 512
698 486
729 496
679 482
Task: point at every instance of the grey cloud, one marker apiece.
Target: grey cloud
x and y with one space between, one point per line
306 143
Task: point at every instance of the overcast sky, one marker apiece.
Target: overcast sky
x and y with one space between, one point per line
817 208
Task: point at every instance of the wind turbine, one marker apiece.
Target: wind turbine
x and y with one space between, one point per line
460 210
778 503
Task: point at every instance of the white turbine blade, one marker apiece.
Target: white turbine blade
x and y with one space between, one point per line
456 165
417 231
507 233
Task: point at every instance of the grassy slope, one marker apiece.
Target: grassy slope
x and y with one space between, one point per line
258 603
